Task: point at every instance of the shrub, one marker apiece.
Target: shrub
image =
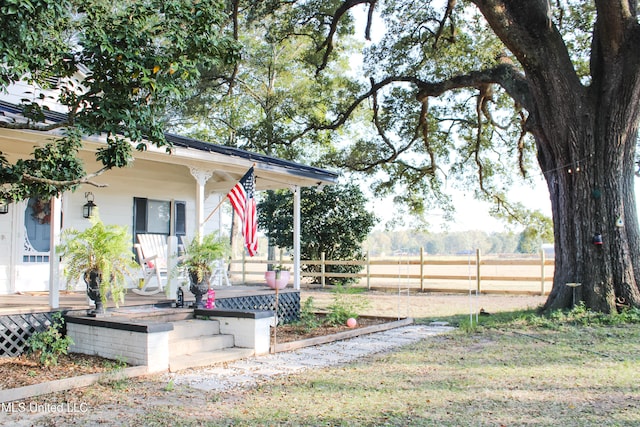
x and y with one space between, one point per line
49 344
308 318
347 302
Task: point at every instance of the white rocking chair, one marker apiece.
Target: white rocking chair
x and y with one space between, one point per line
152 256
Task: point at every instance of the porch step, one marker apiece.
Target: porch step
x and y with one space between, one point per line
193 328
200 344
195 343
207 358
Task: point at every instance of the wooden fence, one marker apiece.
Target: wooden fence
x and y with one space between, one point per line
472 272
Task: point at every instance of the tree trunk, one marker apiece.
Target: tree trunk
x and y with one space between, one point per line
586 129
590 179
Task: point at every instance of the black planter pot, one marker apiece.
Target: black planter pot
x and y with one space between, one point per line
199 287
93 279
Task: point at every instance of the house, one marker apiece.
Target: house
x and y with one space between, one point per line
161 193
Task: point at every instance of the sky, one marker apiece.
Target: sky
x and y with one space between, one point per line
472 214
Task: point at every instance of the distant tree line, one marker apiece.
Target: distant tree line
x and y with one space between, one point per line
409 242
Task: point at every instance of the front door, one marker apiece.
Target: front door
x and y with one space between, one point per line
37 223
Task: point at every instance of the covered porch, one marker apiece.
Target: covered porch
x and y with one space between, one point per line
168 193
38 302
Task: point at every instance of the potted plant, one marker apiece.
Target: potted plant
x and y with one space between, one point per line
199 260
101 256
277 277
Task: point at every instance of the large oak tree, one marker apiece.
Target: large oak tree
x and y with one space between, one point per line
464 90
571 72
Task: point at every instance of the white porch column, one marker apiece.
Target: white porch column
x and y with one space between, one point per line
54 258
296 237
201 176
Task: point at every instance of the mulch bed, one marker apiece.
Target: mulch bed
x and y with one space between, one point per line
25 370
289 333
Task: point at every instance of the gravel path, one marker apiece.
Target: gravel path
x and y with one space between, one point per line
248 373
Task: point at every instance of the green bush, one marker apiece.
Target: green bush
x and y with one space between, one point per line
347 302
49 344
308 318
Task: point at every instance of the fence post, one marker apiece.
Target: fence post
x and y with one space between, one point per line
478 271
244 269
542 260
322 280
421 269
368 271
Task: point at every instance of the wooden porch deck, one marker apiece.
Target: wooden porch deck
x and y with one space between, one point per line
36 302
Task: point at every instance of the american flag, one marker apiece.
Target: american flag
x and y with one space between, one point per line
244 203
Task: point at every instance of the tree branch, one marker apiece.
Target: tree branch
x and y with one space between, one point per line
451 4
527 29
327 44
395 152
523 133
236 66
423 126
56 183
375 87
381 132
614 18
505 75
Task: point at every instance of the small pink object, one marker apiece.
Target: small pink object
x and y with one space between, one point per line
211 299
351 322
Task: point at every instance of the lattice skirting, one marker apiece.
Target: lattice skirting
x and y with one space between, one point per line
288 305
16 329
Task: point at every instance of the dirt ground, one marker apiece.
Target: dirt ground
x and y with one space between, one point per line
431 305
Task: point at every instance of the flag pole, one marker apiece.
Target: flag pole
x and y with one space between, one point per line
220 204
214 210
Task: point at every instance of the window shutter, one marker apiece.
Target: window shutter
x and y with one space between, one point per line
180 218
139 216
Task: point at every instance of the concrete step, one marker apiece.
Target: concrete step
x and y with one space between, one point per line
208 358
192 328
202 343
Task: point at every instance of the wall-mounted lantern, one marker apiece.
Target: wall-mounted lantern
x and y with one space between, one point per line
87 209
4 207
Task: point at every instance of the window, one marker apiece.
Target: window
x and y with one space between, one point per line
156 217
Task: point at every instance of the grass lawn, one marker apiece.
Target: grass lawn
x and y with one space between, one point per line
512 375
514 369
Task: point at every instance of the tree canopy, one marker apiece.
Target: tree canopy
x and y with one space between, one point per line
479 91
113 66
473 91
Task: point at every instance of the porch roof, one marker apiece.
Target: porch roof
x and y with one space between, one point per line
226 164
